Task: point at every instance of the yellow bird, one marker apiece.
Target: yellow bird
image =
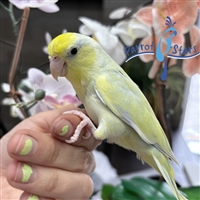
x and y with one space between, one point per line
113 101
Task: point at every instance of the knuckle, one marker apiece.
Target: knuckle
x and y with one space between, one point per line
52 183
91 164
87 162
82 164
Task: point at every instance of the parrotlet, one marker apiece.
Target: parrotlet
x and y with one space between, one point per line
113 101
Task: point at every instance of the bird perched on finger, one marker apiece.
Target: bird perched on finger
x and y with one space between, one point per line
113 101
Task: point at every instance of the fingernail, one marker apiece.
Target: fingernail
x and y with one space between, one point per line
63 127
24 173
26 146
64 130
33 197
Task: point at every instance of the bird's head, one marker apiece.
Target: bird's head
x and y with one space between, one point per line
170 32
71 51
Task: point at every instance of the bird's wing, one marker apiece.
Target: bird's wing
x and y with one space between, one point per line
123 97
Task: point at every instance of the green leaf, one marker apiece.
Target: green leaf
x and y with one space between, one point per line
193 193
148 189
174 95
119 193
107 191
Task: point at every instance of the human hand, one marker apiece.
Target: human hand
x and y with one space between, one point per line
57 170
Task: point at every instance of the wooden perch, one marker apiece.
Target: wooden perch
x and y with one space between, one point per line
14 94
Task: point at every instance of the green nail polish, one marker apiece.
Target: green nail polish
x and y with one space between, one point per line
27 147
33 197
27 171
64 130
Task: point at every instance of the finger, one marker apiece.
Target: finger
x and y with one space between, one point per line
43 149
49 182
28 196
40 122
63 128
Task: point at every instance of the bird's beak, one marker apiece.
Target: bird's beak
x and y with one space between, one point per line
58 67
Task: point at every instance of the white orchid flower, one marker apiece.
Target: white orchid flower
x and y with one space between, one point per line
57 93
132 26
48 6
14 111
26 97
107 38
127 30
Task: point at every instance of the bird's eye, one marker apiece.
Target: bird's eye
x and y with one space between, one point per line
74 51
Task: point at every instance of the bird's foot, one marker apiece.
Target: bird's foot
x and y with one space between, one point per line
86 122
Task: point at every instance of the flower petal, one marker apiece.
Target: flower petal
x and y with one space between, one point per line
146 58
191 66
26 82
179 39
26 97
91 24
71 100
7 101
145 15
48 38
118 54
172 62
5 87
154 69
21 4
139 29
107 41
36 77
177 10
59 88
45 50
51 102
64 31
194 35
123 25
125 37
15 112
51 8
85 30
119 13
41 107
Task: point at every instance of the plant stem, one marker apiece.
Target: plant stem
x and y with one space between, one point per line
7 43
4 7
160 87
16 58
12 17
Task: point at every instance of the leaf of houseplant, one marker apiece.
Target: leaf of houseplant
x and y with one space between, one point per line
119 193
148 189
107 191
193 193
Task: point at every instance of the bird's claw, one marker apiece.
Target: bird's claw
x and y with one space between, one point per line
86 122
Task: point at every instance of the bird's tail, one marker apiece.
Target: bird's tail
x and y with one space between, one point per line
167 172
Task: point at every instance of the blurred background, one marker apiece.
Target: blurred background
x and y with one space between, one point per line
32 55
